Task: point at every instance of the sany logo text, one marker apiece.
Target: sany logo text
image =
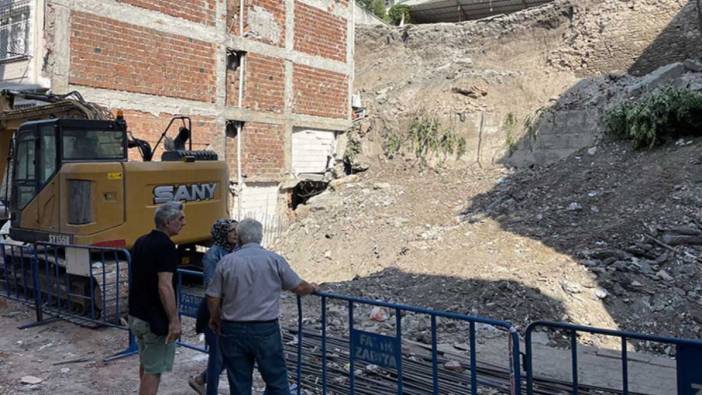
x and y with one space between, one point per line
187 193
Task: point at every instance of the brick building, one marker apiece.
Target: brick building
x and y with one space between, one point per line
267 83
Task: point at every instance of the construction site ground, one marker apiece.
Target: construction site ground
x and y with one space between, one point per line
600 235
65 358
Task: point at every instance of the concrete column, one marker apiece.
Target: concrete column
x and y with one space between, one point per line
288 97
219 144
61 54
350 48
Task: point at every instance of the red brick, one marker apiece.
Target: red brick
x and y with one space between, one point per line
319 92
262 151
264 84
109 54
200 11
147 126
319 33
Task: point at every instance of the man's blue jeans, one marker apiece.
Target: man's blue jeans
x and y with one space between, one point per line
244 343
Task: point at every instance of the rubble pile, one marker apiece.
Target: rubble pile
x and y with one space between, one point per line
632 218
608 236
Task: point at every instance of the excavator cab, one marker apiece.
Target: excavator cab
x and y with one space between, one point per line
42 147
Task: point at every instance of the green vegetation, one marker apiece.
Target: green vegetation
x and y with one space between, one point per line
397 12
378 8
353 148
669 112
510 127
392 145
428 138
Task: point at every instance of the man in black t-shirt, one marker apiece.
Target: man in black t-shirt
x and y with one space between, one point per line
153 315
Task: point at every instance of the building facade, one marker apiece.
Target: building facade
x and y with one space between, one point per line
266 83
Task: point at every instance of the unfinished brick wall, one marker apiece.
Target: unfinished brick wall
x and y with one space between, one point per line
319 92
264 20
319 33
232 16
147 126
264 84
105 54
200 11
263 153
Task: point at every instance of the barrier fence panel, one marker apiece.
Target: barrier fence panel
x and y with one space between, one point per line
387 353
688 358
83 284
189 299
16 277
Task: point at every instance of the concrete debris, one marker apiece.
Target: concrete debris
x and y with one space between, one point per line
473 91
339 182
378 314
693 65
571 287
575 206
601 293
453 365
32 380
658 78
663 275
381 185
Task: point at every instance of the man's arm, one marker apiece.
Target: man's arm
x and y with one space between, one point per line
305 288
168 300
213 304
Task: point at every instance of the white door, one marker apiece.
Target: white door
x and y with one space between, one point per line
312 150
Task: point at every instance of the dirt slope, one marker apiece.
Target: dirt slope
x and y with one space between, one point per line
585 240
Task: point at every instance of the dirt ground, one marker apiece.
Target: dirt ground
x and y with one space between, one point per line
46 352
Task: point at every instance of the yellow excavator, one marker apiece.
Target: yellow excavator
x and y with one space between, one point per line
69 181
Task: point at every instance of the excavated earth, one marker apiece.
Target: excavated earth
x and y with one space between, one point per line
583 240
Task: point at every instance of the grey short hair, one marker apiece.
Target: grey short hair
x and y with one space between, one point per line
249 231
167 212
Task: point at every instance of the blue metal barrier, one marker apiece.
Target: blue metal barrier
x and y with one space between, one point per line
386 351
16 272
91 290
108 273
188 303
84 283
689 356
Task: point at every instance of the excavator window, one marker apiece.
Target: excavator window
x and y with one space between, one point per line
41 147
47 160
25 179
32 170
85 144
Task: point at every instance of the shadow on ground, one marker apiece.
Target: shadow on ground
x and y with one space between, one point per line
609 206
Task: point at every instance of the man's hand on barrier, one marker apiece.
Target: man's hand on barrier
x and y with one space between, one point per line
305 288
216 325
173 331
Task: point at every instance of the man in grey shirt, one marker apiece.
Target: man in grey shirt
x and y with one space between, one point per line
243 298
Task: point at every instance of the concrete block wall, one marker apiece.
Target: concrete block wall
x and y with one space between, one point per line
157 58
557 135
